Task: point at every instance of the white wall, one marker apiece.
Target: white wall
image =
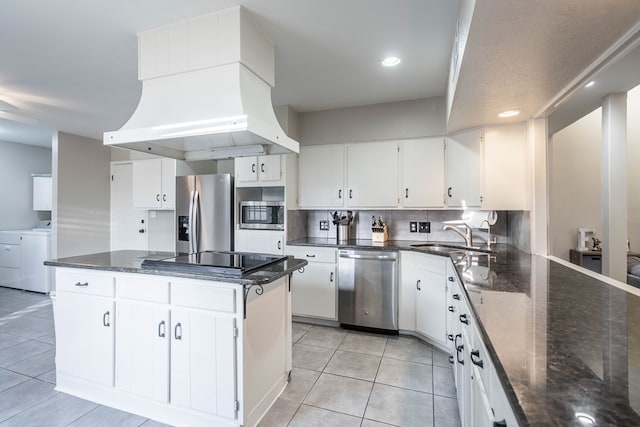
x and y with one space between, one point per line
575 183
81 195
633 167
17 163
396 120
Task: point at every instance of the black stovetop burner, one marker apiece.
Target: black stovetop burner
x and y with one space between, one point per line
222 263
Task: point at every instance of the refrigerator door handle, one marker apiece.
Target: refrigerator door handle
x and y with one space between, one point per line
190 225
196 220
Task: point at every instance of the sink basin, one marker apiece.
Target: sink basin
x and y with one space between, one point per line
447 249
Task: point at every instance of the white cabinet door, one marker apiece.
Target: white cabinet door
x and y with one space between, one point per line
203 361
147 183
431 300
480 408
142 349
421 173
505 168
168 181
154 184
463 156
321 176
313 292
409 276
42 193
246 170
34 250
85 336
269 169
260 241
372 175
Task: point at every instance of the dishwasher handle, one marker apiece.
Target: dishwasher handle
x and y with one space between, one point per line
391 257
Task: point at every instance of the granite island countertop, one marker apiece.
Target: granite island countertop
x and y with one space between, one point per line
130 261
565 345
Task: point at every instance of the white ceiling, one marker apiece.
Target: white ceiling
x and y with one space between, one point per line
72 65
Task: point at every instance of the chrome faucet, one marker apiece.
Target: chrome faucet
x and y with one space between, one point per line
467 235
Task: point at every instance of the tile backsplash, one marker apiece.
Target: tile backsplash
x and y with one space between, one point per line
398 225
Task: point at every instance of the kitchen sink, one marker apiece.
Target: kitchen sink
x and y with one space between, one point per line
447 249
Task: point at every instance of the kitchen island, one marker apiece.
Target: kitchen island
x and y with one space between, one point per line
184 349
564 346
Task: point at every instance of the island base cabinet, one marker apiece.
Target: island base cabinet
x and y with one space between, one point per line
203 362
142 350
85 336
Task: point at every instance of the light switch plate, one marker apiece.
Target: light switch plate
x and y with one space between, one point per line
324 225
413 227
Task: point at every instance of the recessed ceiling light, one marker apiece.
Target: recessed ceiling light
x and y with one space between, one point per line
509 113
391 61
591 83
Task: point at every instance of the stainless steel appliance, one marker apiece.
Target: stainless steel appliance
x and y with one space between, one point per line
221 263
263 215
368 289
204 212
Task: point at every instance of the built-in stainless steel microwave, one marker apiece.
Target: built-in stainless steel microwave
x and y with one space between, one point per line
262 215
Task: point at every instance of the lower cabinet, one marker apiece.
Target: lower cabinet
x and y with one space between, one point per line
260 241
314 291
423 295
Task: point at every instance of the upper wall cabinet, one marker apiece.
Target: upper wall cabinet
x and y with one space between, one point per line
421 173
321 176
372 175
154 184
259 171
505 168
463 156
42 192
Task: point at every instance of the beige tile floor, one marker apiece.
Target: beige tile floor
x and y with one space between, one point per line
348 378
339 378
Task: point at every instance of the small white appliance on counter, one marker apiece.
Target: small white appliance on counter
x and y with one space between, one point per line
22 256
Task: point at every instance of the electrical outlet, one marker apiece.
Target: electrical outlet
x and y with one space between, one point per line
424 227
413 227
324 225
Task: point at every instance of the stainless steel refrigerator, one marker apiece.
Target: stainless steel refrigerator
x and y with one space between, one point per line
204 213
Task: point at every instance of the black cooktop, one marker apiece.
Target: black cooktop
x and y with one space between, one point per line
214 262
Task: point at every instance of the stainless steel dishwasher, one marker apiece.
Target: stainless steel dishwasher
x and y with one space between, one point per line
368 289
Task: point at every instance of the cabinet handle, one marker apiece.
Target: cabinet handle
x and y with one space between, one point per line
450 337
85 284
463 319
452 279
501 423
351 194
164 197
162 329
406 193
253 168
141 231
475 358
331 277
451 309
418 285
310 256
262 167
339 194
106 319
449 191
279 244
456 296
459 349
175 331
157 197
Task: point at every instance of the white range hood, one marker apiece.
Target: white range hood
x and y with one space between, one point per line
206 91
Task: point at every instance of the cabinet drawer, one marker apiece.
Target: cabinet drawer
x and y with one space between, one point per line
143 288
312 254
9 255
81 281
199 294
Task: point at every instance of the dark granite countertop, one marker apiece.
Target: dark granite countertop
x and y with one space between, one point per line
389 245
130 262
565 345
